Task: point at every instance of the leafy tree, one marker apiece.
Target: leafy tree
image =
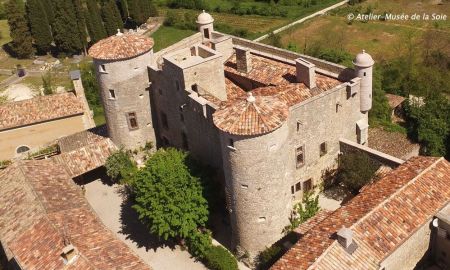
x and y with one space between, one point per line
430 125
40 26
306 209
356 170
169 197
94 22
119 166
22 44
66 34
91 88
111 17
380 112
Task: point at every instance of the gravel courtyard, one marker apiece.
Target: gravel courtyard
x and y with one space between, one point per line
116 213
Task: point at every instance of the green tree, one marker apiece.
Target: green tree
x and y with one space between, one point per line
356 170
123 7
91 89
169 197
66 34
94 22
119 166
136 11
304 210
81 22
111 17
22 42
40 26
380 112
49 10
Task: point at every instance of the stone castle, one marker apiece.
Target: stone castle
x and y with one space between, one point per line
269 119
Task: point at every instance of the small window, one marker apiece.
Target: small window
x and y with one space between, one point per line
323 149
177 85
141 96
299 124
298 187
261 219
292 189
22 149
194 88
365 74
231 143
307 185
185 141
132 121
244 186
102 68
300 156
112 94
164 121
206 32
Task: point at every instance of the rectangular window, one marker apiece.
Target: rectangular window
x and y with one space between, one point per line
293 189
299 124
206 32
132 121
164 121
231 143
102 68
307 185
185 141
323 149
112 94
298 187
300 156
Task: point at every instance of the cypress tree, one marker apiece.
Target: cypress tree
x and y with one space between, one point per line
135 11
40 27
94 22
153 11
123 7
22 42
66 36
81 22
49 10
111 17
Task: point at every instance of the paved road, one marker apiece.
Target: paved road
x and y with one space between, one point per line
318 13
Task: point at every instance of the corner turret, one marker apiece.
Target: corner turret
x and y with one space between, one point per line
363 63
205 25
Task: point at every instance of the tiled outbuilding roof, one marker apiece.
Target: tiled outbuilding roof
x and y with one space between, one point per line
251 115
121 46
39 109
394 100
41 209
382 216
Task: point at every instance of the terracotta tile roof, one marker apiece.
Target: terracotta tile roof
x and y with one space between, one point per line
39 109
251 115
85 151
382 216
40 208
393 143
121 46
312 222
394 100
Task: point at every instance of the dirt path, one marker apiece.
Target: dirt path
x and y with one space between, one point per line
117 214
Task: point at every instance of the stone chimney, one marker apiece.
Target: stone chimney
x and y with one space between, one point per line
345 237
69 254
243 60
306 73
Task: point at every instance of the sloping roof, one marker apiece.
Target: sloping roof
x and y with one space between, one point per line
251 116
39 109
394 100
85 151
121 46
40 208
382 216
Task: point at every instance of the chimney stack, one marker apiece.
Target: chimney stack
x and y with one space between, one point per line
306 73
345 237
69 254
243 60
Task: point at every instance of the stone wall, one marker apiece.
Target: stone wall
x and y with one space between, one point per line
406 256
129 80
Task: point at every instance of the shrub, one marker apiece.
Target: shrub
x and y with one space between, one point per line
269 256
119 166
356 170
303 211
218 258
199 243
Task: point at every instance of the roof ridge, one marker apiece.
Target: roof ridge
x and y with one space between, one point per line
381 204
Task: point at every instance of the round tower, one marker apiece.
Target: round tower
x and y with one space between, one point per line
254 140
205 25
364 69
120 63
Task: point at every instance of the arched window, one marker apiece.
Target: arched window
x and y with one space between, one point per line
22 149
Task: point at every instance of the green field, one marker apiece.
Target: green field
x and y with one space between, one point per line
4 32
166 36
383 39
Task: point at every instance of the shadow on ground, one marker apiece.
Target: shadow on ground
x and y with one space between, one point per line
134 230
338 193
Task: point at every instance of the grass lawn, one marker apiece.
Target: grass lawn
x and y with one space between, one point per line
36 83
166 36
4 32
383 39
